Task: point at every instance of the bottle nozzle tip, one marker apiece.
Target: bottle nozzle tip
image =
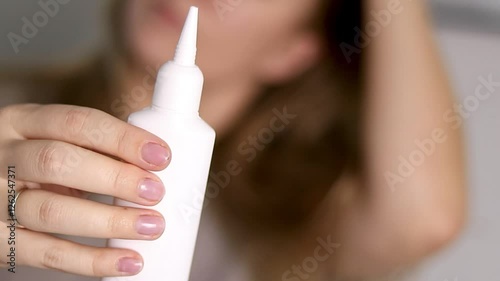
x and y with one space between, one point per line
185 53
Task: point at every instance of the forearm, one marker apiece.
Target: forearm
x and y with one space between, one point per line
404 213
408 95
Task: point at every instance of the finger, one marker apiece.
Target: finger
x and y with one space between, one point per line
55 162
48 252
45 211
93 129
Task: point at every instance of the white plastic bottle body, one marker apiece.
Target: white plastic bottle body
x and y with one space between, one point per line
191 141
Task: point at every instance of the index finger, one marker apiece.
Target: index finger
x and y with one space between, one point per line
92 129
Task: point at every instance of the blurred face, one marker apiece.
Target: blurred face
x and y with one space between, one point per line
239 40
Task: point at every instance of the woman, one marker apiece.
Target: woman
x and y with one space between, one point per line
335 175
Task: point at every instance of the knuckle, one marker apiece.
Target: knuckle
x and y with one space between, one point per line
117 177
116 223
49 159
122 139
96 268
53 258
76 120
49 212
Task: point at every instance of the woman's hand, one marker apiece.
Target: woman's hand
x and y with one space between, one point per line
60 154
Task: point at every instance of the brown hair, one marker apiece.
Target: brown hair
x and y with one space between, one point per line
284 181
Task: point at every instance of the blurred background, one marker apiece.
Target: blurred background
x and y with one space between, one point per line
469 35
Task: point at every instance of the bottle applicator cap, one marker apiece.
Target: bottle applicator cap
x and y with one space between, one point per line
180 82
185 54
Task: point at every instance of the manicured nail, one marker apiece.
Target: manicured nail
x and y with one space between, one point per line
129 265
151 190
155 154
150 225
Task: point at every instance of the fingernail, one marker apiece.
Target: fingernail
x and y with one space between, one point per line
129 265
155 154
150 225
151 190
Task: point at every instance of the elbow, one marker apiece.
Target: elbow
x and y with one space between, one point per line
441 229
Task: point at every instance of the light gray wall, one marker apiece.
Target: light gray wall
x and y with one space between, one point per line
76 30
484 4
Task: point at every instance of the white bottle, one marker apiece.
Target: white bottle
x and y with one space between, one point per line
174 117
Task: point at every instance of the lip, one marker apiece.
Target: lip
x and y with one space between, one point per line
166 14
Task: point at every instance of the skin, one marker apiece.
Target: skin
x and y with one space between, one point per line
239 56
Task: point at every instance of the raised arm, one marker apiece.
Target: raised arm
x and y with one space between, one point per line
411 194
